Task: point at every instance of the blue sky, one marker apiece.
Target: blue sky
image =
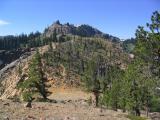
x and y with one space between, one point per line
116 17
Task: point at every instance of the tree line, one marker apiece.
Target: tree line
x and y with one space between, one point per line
23 41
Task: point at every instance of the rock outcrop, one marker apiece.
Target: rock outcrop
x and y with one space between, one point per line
9 76
60 29
81 30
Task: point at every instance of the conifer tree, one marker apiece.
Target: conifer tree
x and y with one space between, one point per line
35 82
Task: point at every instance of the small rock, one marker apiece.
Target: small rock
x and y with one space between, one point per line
53 101
67 118
62 101
155 116
69 101
28 104
7 104
6 118
30 117
84 103
101 115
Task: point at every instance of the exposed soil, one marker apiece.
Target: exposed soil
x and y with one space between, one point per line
71 105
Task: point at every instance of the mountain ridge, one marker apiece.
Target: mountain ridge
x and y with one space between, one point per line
83 30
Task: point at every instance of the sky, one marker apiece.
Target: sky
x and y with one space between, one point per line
116 17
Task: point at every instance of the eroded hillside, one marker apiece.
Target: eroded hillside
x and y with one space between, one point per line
64 64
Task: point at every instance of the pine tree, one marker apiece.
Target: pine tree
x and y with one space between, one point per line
35 82
141 77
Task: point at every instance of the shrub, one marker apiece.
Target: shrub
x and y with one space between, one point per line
26 96
155 105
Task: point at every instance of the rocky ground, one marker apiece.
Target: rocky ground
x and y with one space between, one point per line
69 106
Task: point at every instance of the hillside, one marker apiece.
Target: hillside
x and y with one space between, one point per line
63 79
67 69
81 69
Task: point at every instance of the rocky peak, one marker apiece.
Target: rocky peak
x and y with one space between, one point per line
81 30
59 28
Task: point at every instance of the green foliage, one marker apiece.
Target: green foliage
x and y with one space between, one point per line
21 41
113 94
26 96
20 70
128 45
132 117
86 31
35 82
147 46
155 104
142 74
134 90
24 41
115 91
105 99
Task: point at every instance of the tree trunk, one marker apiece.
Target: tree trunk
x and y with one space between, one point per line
96 98
137 112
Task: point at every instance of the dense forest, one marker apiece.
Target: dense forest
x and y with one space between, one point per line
14 42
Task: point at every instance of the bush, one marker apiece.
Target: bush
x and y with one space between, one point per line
155 105
27 96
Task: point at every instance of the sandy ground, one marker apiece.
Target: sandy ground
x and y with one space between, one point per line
71 105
